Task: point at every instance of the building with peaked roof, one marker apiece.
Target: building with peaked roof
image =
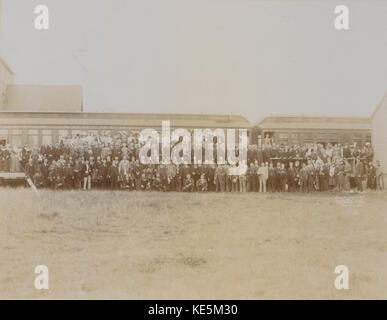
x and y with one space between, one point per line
43 98
379 134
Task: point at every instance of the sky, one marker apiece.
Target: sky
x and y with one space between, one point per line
246 57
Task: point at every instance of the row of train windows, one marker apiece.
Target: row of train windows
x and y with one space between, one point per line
17 140
18 131
17 137
31 136
43 132
329 136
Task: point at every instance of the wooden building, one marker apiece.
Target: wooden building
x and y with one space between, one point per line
43 98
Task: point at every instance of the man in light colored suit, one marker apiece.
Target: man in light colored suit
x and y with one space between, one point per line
379 175
263 174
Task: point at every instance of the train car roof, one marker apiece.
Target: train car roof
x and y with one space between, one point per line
122 119
314 122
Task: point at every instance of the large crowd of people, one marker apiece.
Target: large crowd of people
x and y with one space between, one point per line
89 161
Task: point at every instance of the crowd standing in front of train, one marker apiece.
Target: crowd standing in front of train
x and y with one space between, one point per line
89 161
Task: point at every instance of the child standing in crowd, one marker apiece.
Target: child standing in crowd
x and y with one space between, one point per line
202 184
189 184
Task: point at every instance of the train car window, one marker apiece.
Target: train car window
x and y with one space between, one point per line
93 132
310 136
295 138
62 135
46 140
321 137
259 140
106 132
16 140
359 142
3 137
76 132
268 138
33 140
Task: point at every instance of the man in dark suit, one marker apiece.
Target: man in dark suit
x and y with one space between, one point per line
113 175
29 169
45 172
251 178
68 172
103 173
291 177
359 172
86 173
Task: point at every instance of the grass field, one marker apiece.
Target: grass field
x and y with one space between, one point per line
131 245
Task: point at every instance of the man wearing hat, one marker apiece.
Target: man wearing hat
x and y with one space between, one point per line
359 172
291 177
5 158
379 175
29 169
220 178
371 176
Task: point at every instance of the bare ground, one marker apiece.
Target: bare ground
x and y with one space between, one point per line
133 245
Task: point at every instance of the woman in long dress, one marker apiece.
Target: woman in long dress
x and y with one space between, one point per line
15 161
332 176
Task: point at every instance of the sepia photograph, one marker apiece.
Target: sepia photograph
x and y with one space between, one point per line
177 150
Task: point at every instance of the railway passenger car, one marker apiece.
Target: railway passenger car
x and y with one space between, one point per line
302 129
40 128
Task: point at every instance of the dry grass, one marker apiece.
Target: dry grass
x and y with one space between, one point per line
131 245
